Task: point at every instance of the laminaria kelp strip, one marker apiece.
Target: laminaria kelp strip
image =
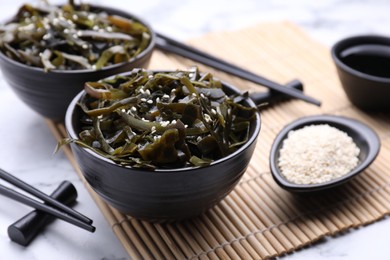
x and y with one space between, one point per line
163 119
71 37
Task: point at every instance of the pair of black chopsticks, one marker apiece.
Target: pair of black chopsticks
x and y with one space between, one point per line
170 45
51 206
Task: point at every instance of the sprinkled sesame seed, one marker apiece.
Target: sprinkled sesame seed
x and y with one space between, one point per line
134 109
201 95
164 123
213 111
173 122
147 92
158 100
143 99
165 96
149 101
207 117
199 139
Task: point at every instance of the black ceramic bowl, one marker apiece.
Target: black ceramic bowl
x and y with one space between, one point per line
163 194
363 66
362 135
49 93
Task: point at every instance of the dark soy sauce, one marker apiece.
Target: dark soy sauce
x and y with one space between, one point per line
372 59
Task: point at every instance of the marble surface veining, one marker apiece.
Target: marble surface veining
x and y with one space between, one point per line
26 144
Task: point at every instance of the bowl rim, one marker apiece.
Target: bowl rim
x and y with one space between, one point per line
353 41
72 133
109 10
363 130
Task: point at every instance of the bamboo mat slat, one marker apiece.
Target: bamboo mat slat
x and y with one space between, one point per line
258 219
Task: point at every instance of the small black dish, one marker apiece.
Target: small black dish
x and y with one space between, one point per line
363 66
363 136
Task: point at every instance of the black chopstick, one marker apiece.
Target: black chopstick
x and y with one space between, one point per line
46 198
170 45
44 207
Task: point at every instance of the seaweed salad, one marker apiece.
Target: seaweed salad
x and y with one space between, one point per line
71 37
154 120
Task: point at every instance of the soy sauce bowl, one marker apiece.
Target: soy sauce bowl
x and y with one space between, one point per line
362 64
362 135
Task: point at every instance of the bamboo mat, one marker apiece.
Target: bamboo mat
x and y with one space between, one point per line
258 219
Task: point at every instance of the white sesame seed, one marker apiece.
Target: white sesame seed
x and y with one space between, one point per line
199 139
153 129
164 123
147 92
213 111
185 126
109 29
173 122
75 17
134 109
201 95
149 101
143 99
46 36
207 117
95 27
66 31
85 46
173 90
158 100
165 96
123 110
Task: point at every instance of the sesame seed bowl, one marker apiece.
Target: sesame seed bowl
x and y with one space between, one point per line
326 157
46 60
161 187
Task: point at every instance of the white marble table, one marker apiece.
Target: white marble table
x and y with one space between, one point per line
26 145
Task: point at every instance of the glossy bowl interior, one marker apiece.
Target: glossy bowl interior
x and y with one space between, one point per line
163 194
49 93
366 91
362 135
